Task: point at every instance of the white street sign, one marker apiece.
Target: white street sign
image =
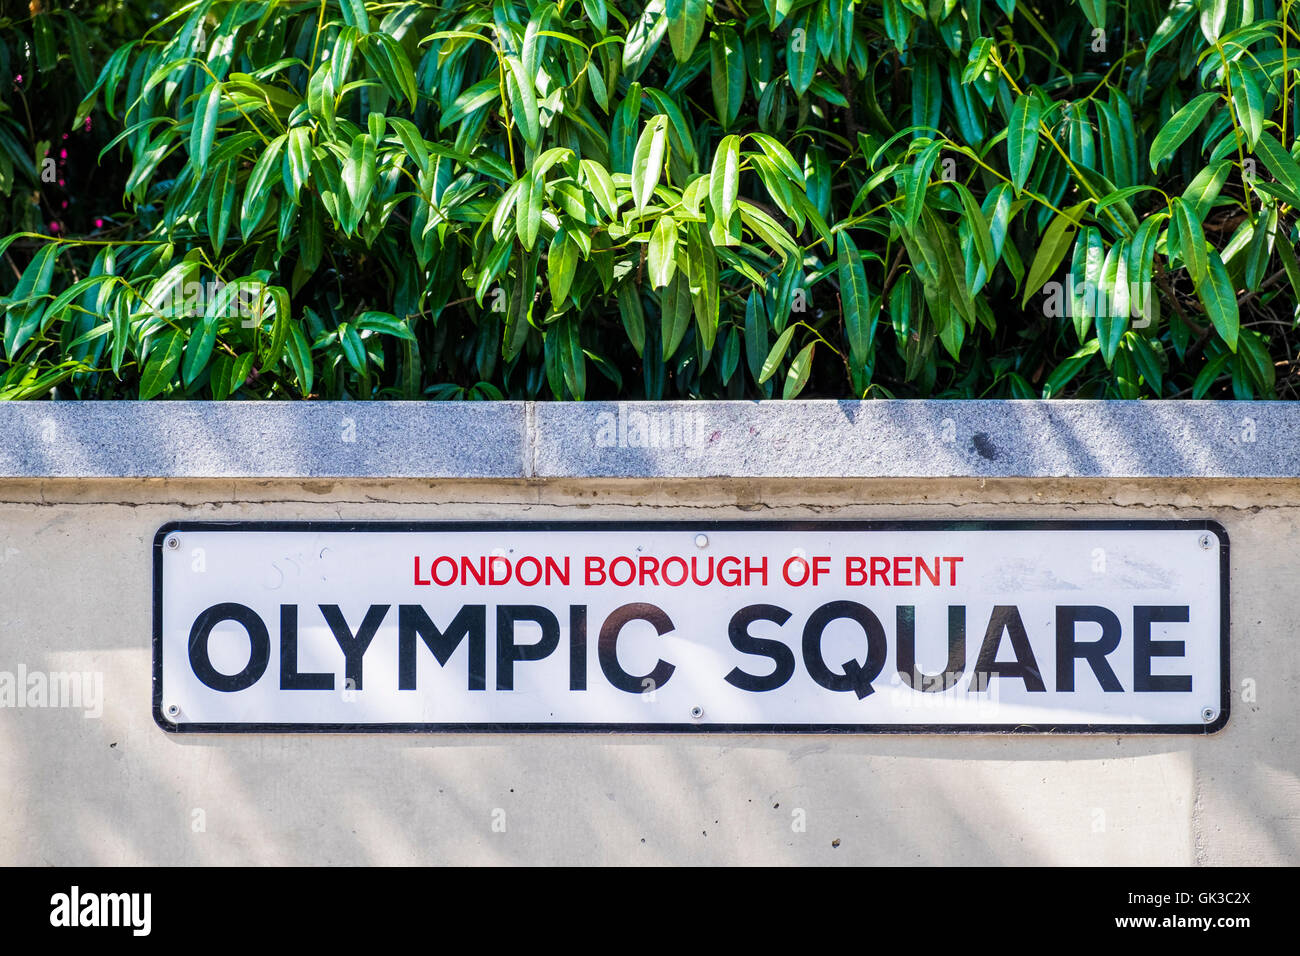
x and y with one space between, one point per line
964 626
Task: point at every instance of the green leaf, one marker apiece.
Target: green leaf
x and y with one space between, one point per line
779 155
561 261
1279 162
239 371
1204 188
359 176
198 350
601 186
47 49
523 102
1180 14
1095 11
979 228
702 273
35 280
1113 305
1286 252
1067 370
648 161
383 322
917 183
1220 301
22 321
1056 243
1213 15
769 230
1022 138
855 298
801 53
528 208
724 179
1209 375
256 191
397 72
727 74
572 358
221 203
354 14
662 253
675 313
354 350
280 327
300 358
1248 101
296 165
164 358
797 377
685 26
1180 126
1191 240
1253 354
203 126
755 333
777 355
633 315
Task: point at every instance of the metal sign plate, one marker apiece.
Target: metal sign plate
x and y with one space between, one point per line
751 627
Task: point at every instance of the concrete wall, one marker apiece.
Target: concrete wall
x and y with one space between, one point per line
75 594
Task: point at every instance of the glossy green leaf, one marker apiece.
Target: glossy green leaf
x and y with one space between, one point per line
1022 138
855 298
662 253
1220 300
777 354
724 179
1180 126
203 127
164 358
797 376
801 53
1057 239
675 313
686 20
1191 240
648 161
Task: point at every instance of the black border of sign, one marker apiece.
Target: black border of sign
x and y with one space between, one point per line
400 526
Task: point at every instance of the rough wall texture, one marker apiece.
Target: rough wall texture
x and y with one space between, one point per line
75 595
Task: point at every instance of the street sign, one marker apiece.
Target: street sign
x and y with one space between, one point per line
750 627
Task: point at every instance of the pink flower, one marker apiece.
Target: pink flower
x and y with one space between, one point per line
62 183
63 153
64 204
54 227
87 127
99 224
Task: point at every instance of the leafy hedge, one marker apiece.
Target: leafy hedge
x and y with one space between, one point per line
470 199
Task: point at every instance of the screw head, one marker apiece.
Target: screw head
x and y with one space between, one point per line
1206 542
697 712
1208 714
173 710
701 541
173 542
